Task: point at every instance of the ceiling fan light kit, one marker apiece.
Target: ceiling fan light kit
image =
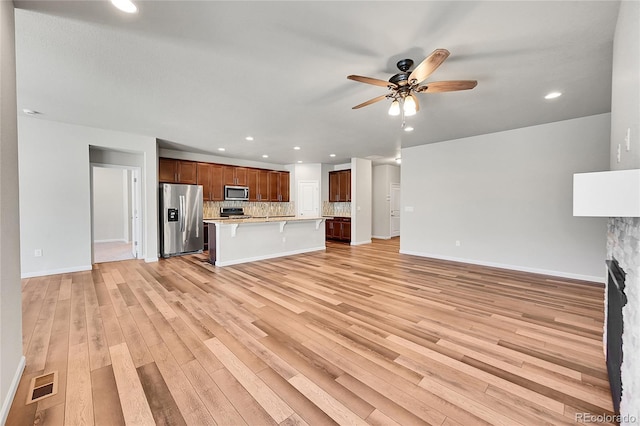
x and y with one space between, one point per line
394 109
404 85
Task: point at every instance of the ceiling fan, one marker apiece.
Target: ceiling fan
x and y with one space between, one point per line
404 85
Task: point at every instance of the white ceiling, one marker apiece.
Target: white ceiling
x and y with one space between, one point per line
205 74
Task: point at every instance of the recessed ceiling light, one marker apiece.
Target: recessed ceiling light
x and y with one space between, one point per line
126 6
221 149
553 95
408 129
299 161
296 148
332 155
265 156
30 112
249 138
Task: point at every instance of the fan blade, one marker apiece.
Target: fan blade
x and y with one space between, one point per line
448 86
429 65
370 101
415 99
370 80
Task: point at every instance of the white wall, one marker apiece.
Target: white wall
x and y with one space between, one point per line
625 89
55 190
382 177
324 184
624 232
360 201
110 205
11 359
507 197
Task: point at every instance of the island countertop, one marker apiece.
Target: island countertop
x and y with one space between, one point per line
256 219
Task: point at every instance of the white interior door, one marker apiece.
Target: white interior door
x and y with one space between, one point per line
395 209
308 198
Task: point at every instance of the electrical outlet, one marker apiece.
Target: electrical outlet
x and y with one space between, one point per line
457 243
37 253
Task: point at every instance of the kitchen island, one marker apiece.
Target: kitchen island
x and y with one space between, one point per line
233 241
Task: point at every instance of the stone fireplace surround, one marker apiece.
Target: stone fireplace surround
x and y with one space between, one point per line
623 244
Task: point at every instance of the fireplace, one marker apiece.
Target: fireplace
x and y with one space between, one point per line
616 299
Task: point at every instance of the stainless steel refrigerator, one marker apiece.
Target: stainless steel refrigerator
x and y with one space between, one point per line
181 226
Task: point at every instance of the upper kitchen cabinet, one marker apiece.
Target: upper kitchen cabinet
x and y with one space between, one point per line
340 186
177 171
258 183
210 177
279 186
233 175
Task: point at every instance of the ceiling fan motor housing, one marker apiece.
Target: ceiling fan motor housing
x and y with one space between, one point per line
400 79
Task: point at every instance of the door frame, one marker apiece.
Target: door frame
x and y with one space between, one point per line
137 221
394 187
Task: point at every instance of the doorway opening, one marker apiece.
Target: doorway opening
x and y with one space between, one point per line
115 210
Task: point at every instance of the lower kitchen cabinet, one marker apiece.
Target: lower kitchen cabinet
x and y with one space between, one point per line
339 229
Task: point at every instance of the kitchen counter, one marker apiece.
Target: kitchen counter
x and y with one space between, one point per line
233 241
255 219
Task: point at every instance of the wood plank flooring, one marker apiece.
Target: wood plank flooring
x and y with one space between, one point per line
353 335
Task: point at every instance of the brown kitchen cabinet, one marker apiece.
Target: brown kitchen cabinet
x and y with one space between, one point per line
338 228
340 186
279 186
177 171
233 175
264 185
258 183
210 177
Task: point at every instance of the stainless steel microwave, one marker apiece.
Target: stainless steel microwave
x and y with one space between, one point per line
236 193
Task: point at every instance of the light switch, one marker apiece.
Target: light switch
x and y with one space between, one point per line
627 139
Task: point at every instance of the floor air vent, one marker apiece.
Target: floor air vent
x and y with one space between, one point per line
42 387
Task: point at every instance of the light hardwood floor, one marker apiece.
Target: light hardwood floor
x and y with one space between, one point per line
353 335
111 251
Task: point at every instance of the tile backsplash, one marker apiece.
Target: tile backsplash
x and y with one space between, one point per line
212 208
336 209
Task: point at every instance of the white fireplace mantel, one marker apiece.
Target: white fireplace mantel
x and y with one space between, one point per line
607 194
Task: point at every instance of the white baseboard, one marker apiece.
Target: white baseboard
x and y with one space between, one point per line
114 240
56 271
151 259
379 237
269 256
359 243
559 274
11 393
